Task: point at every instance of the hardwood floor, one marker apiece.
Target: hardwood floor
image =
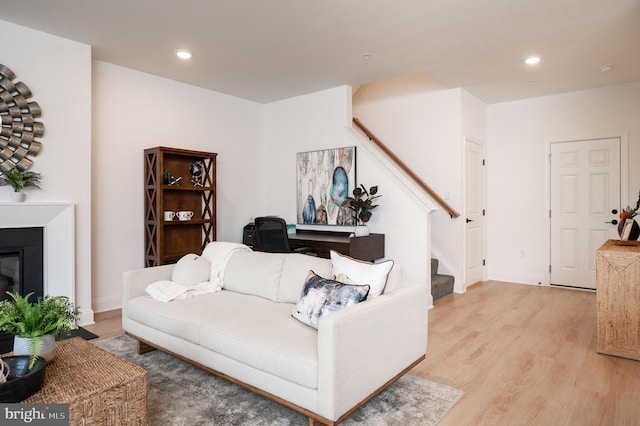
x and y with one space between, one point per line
523 355
526 355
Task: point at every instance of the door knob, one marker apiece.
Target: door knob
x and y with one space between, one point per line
613 222
469 220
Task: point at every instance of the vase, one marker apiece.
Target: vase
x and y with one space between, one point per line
361 231
17 197
635 230
47 350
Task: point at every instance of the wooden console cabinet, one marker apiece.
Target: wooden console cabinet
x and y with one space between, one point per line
166 241
618 300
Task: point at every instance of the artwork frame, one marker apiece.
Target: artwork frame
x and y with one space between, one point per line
324 179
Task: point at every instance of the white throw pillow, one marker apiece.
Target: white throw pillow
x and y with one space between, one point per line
321 297
360 272
191 269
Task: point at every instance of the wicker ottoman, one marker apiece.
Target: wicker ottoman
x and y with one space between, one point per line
100 387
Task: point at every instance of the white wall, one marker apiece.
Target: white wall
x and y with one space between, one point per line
519 134
58 72
133 111
424 128
317 121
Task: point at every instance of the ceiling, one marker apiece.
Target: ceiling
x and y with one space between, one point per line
267 50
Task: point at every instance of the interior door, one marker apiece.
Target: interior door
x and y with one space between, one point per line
585 199
474 196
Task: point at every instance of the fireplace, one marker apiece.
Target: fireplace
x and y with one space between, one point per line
21 261
21 268
54 223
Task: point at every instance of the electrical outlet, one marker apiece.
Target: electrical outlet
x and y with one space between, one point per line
522 253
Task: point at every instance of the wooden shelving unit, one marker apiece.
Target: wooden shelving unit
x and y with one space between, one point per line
167 241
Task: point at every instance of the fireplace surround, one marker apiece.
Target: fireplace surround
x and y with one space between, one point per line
58 237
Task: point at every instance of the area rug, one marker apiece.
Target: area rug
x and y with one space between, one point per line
181 394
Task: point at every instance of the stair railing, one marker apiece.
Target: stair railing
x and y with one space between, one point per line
452 212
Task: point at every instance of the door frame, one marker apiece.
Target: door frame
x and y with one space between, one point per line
624 180
483 145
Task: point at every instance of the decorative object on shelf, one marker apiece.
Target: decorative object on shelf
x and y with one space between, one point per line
361 205
22 380
197 173
184 215
19 180
168 179
19 129
628 228
324 179
49 315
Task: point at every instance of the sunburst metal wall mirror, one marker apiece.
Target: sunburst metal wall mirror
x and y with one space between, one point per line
19 129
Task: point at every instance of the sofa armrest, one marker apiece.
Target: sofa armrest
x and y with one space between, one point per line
135 282
364 346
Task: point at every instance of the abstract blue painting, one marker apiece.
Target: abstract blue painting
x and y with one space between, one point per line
325 179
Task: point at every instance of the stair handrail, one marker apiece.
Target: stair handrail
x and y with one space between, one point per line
452 212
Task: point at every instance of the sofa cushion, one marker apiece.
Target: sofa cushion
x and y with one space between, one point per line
262 334
191 269
254 273
361 272
180 318
322 296
294 275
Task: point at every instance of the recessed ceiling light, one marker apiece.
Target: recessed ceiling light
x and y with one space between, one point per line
183 54
606 68
532 60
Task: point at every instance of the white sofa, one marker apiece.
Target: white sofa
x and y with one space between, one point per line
246 333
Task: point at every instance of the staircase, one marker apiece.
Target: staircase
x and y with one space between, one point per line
441 285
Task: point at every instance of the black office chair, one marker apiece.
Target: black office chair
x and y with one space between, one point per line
270 236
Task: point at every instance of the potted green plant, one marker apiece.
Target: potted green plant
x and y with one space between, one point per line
361 205
35 325
19 180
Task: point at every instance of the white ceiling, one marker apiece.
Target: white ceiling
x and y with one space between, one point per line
266 50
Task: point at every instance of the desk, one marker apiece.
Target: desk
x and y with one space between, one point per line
369 248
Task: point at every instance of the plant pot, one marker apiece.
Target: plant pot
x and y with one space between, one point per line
361 231
17 197
635 230
47 350
22 382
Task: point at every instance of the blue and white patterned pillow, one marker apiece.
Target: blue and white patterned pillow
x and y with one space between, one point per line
322 296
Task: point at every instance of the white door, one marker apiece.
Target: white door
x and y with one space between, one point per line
585 199
473 206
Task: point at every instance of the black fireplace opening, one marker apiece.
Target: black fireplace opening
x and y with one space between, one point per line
21 267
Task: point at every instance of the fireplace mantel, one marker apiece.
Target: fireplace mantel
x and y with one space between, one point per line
57 219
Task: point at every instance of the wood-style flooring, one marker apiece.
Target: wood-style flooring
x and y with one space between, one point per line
523 355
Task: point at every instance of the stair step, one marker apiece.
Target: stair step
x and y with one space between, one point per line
434 266
441 285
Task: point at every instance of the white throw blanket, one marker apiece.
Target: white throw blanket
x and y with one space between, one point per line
217 253
166 291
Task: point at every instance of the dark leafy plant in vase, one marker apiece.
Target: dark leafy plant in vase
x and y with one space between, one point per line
362 203
49 315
